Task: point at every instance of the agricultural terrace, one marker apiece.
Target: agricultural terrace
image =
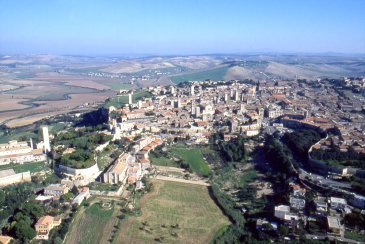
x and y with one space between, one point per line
92 225
174 212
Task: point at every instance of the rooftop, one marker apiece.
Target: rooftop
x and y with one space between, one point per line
333 222
118 168
45 220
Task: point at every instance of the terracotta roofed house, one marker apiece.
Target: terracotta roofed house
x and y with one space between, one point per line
5 239
44 225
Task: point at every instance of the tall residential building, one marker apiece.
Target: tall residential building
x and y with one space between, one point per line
192 88
47 145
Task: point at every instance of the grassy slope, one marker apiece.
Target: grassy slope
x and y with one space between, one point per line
194 158
172 203
162 161
90 225
213 74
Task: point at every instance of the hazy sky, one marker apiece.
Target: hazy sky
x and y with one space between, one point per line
181 26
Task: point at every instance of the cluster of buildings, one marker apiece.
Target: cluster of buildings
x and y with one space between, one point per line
329 210
199 109
22 152
55 191
346 140
131 166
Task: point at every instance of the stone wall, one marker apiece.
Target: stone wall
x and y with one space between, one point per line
16 178
91 172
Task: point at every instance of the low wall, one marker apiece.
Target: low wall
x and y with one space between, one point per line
108 193
91 172
16 178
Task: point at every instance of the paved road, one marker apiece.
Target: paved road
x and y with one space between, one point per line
331 238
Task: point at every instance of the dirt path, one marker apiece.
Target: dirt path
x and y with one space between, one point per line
171 169
166 178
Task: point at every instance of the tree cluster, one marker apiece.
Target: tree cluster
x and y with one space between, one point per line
301 140
233 150
349 158
279 156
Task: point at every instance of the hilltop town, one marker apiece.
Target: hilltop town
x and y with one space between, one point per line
302 141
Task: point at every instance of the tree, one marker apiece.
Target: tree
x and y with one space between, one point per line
2 197
74 190
33 209
283 230
67 196
24 230
233 150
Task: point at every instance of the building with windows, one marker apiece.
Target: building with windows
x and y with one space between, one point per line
44 225
56 190
20 152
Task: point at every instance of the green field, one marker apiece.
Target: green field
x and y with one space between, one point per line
54 128
117 85
248 177
355 235
174 213
92 225
122 100
213 74
32 167
194 157
15 135
162 161
104 187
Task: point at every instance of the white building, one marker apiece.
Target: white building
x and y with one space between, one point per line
83 195
130 95
281 211
19 152
47 145
118 172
